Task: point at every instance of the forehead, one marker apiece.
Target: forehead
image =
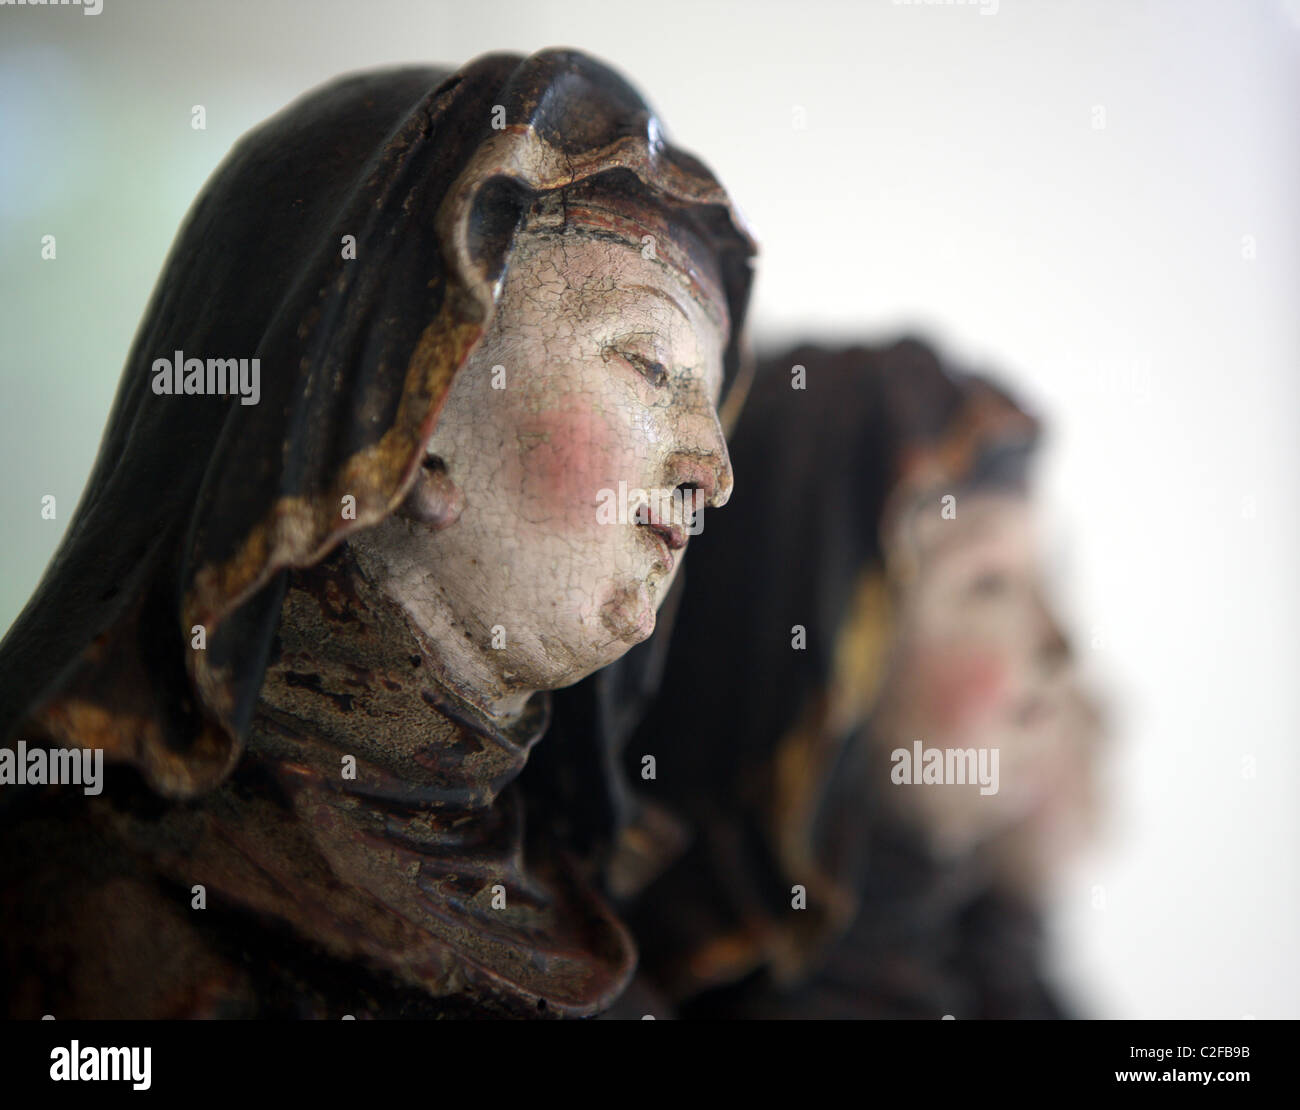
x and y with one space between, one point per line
588 267
986 522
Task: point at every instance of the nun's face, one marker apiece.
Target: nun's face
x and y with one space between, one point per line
981 663
594 391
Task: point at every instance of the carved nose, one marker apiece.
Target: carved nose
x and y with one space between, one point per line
1054 650
718 492
726 480
709 471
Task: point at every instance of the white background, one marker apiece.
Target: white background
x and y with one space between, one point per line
951 179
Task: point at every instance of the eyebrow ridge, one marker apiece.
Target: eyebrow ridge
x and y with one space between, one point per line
666 296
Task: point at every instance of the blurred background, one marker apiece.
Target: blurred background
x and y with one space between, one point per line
1097 203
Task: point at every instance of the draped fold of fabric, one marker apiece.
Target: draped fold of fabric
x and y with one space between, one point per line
353 245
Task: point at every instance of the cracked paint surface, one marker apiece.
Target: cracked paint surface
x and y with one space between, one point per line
610 372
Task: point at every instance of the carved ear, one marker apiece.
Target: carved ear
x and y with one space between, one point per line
434 498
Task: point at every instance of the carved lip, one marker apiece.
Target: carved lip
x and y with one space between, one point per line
674 535
668 538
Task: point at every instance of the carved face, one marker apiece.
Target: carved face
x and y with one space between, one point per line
980 663
598 369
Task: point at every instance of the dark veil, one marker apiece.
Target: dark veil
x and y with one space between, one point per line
353 244
197 504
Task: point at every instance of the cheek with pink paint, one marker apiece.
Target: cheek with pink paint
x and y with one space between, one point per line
961 690
567 456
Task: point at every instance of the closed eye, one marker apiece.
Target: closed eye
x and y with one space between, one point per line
990 584
656 373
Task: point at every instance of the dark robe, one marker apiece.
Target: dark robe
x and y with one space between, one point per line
352 244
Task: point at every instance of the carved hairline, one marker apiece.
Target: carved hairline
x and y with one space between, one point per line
676 244
521 156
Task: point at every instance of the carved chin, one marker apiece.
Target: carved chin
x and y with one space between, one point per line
629 613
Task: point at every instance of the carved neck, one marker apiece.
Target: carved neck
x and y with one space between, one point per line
414 863
350 676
